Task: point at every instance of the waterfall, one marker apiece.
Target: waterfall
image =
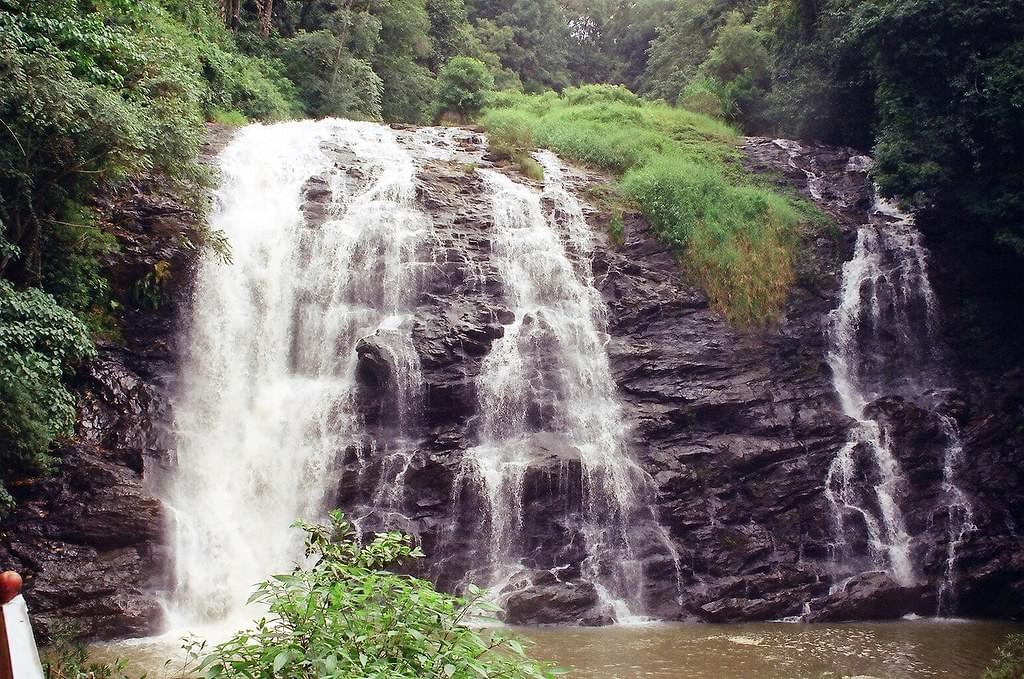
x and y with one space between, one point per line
884 341
330 252
959 515
266 401
547 384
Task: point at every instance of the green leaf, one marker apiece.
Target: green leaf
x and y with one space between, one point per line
280 660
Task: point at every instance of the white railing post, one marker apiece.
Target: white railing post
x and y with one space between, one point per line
19 657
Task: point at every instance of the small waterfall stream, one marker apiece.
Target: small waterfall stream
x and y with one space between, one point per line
960 515
868 283
884 337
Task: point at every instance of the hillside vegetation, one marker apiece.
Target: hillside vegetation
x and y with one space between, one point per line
679 169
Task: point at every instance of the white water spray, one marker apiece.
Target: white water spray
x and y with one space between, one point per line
266 399
548 378
959 514
884 341
859 310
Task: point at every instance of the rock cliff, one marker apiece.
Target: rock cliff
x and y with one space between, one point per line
737 428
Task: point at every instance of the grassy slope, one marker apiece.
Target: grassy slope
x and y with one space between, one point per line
680 170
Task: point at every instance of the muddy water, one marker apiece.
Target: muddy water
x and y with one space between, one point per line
899 650
905 649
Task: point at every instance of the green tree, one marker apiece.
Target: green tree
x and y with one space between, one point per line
463 85
346 616
628 35
401 58
737 70
589 58
450 31
681 45
330 80
536 48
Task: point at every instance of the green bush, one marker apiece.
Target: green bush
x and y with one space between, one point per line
223 117
594 94
1009 660
40 343
530 168
739 241
346 616
463 85
609 147
534 104
510 133
703 95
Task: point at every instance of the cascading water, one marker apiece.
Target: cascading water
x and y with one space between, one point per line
960 515
884 338
548 379
866 286
266 404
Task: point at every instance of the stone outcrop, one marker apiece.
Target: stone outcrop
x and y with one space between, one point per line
873 596
736 427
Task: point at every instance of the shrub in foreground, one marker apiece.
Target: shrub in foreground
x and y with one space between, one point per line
345 616
67 657
1009 660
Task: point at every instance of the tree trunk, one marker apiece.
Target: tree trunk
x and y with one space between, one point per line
266 17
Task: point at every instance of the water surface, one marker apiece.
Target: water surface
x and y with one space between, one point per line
952 649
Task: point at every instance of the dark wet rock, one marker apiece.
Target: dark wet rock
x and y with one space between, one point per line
991 586
88 539
543 599
316 201
873 596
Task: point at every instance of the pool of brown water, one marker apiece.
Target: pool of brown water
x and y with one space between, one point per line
952 649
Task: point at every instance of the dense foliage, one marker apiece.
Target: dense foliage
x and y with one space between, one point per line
463 85
934 88
739 240
1009 660
346 616
39 343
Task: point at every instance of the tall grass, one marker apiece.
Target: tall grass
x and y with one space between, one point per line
738 241
678 169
